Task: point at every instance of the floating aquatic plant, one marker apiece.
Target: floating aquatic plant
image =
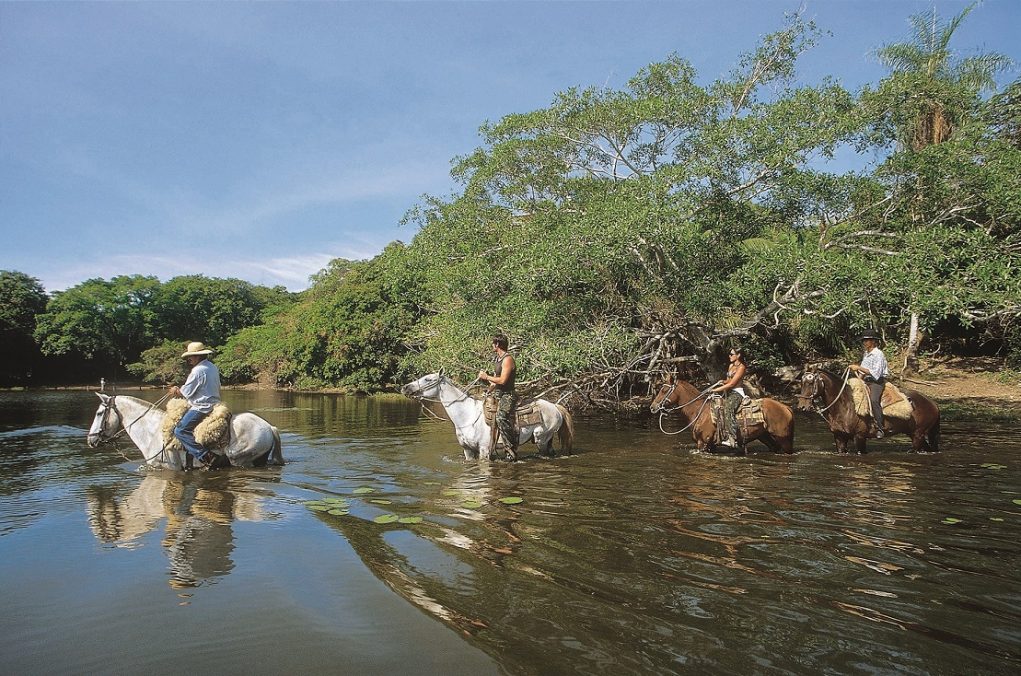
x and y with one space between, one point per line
512 500
361 490
381 501
410 519
385 518
319 508
472 504
992 465
950 521
338 512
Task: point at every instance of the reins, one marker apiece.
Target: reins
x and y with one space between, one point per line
112 406
464 395
847 376
663 410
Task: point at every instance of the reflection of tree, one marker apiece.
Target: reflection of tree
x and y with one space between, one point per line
198 538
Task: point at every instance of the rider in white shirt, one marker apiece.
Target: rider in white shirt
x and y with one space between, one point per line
873 370
202 390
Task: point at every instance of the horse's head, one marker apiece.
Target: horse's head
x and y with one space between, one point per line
106 422
426 386
665 398
813 384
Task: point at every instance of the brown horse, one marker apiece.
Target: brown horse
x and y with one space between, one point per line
777 432
836 405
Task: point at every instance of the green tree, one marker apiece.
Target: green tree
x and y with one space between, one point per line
108 321
934 93
22 299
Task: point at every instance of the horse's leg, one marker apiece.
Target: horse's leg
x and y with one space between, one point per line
841 441
859 444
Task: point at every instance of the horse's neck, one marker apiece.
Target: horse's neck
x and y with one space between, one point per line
839 402
144 427
685 393
461 408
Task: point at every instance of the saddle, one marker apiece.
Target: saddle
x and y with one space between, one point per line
750 412
895 403
524 414
213 432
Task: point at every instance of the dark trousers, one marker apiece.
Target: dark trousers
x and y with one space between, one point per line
876 397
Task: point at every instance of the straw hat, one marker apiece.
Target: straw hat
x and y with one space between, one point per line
196 349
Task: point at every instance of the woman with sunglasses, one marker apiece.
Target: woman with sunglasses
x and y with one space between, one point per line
734 393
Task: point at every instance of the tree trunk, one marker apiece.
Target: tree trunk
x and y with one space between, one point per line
911 354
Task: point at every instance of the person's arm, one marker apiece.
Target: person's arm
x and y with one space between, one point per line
195 382
734 379
505 373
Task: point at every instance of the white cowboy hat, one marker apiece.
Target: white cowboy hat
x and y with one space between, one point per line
195 349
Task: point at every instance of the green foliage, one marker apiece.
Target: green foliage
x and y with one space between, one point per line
21 298
161 364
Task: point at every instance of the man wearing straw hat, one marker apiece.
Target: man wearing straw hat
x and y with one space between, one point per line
873 370
202 390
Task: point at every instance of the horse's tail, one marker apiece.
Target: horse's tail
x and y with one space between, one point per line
566 431
277 453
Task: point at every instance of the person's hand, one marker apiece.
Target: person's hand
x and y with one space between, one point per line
483 375
174 391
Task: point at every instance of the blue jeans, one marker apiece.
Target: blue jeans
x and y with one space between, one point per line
185 433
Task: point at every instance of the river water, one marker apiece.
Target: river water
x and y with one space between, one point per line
636 555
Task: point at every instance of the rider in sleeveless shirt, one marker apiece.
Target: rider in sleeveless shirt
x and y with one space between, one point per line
733 389
502 389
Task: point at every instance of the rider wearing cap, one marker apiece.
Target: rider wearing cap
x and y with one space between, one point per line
502 389
202 390
873 370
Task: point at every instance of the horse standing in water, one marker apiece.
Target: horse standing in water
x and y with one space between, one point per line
474 434
776 431
838 410
253 441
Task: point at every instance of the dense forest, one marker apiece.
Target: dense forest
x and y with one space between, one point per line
620 233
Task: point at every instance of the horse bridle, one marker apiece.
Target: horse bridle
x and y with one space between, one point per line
109 406
816 379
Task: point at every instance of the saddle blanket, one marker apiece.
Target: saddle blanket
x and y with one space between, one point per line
750 412
212 432
895 403
524 415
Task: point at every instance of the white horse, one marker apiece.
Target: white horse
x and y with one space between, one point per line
253 441
474 435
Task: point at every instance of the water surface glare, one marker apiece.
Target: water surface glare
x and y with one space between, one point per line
636 555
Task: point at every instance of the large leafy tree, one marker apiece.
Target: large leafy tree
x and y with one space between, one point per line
22 298
932 93
109 321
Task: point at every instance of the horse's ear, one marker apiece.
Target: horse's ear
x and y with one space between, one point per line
440 373
104 398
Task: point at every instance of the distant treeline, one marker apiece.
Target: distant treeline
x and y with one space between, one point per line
620 233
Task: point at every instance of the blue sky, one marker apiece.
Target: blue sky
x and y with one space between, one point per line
262 140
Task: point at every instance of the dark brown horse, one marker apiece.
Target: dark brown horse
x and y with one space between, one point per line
777 432
828 394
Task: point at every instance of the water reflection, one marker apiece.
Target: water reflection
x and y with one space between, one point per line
198 536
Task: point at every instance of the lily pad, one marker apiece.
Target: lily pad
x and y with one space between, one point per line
451 493
995 518
319 508
381 501
309 503
385 518
362 490
512 500
992 465
410 519
1016 501
472 504
950 520
338 512
336 500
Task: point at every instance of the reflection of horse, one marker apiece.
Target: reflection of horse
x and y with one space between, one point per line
253 441
198 537
474 435
837 408
775 431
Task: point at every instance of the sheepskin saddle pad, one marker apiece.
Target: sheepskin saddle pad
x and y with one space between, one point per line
212 432
895 403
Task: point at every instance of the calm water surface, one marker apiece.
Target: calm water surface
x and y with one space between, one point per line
634 556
